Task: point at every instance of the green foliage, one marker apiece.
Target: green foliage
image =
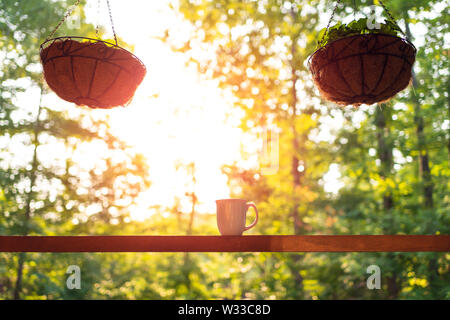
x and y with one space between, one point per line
260 61
376 149
43 190
356 27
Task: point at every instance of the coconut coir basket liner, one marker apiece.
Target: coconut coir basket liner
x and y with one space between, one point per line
363 68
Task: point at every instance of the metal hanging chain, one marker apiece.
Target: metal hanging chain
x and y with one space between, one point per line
391 17
112 23
329 22
98 19
68 13
354 9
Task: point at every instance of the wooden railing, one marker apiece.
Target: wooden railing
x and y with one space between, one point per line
250 243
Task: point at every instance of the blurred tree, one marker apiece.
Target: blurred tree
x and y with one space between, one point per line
411 126
260 50
393 160
43 188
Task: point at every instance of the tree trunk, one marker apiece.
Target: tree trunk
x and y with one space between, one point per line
187 260
296 176
385 156
298 223
424 165
18 286
192 215
27 215
386 163
393 286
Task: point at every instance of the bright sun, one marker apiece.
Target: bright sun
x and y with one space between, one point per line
175 117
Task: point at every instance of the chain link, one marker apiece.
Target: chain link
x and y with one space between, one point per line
391 17
68 13
98 19
329 22
112 23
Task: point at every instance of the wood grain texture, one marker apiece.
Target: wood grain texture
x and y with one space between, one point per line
251 243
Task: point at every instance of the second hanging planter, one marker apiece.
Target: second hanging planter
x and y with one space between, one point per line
362 63
363 68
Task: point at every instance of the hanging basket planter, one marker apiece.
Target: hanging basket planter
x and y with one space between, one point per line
362 62
366 68
91 72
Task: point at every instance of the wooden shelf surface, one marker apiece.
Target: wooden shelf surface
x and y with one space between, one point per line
250 243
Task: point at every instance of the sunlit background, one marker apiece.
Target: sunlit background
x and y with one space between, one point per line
178 116
335 181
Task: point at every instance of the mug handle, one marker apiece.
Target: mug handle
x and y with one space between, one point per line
256 219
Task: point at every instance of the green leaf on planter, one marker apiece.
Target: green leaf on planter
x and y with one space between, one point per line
339 31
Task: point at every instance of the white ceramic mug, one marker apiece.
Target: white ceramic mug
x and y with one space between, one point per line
231 214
